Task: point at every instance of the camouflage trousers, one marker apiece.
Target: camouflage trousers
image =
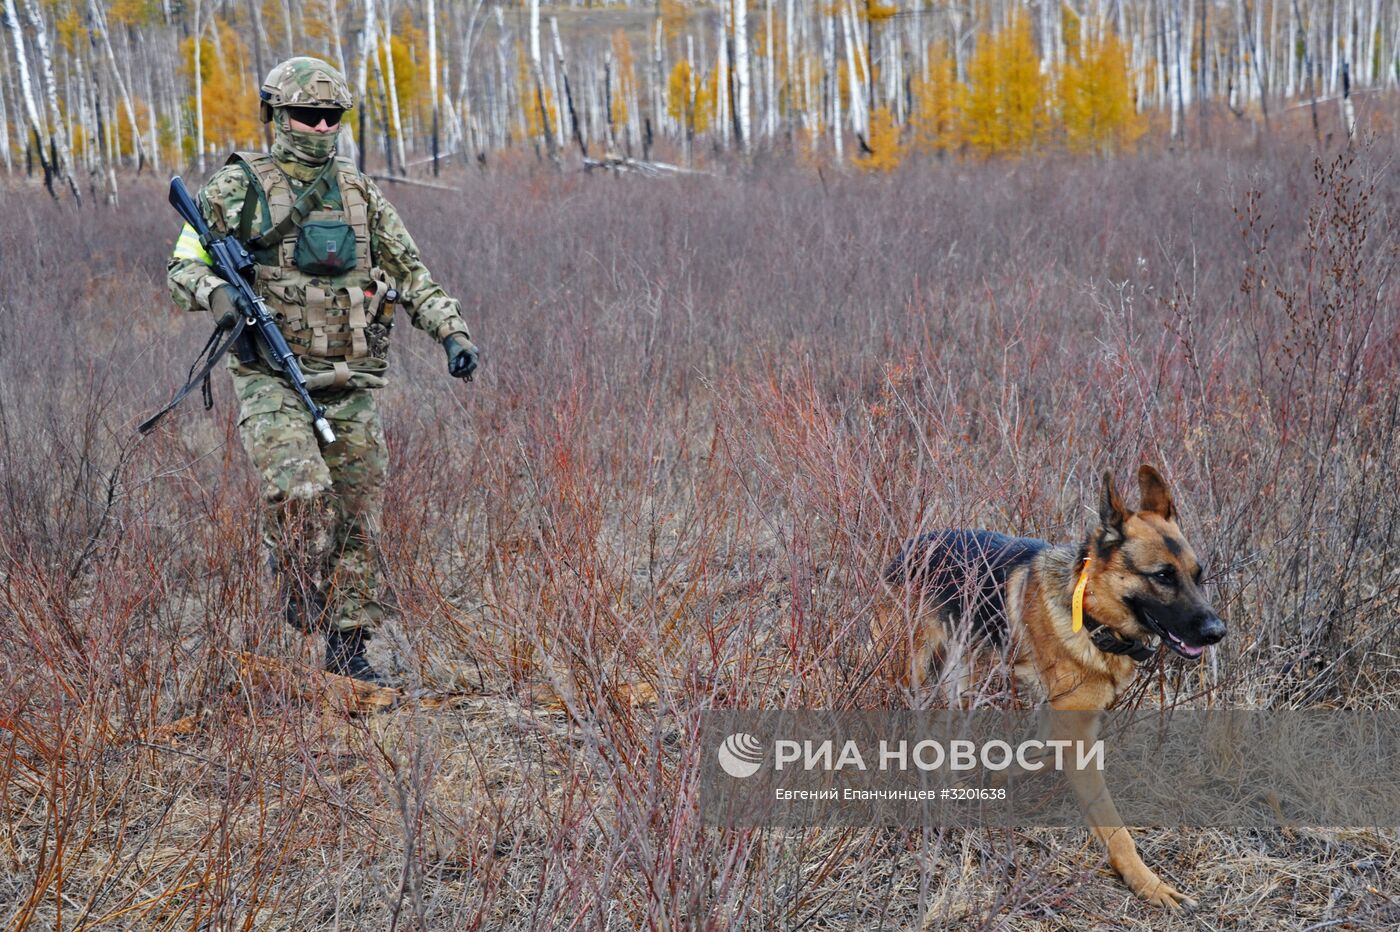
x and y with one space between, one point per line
321 505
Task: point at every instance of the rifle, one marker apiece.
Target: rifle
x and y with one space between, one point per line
233 264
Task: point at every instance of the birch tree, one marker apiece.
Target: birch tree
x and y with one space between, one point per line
99 19
26 90
59 151
433 77
537 73
391 88
369 35
740 29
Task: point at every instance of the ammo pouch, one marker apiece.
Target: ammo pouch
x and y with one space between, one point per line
325 246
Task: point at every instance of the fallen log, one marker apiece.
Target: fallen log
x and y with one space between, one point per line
622 163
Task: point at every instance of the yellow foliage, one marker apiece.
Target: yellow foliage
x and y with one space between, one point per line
1005 111
274 22
806 65
877 12
411 68
938 102
1070 26
407 46
707 99
230 95
759 43
887 151
77 138
530 97
673 18
132 12
316 19
624 76
72 31
120 127
692 100
681 102
1095 97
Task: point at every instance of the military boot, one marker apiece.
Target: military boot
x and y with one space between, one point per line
345 655
306 610
304 604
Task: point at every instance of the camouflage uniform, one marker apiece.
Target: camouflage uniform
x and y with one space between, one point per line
321 505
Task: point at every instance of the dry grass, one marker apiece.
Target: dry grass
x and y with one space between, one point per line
710 410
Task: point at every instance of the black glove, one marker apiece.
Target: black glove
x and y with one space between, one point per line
223 301
462 355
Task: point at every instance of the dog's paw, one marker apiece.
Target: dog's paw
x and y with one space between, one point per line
1158 892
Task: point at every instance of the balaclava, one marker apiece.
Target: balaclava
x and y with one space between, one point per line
289 145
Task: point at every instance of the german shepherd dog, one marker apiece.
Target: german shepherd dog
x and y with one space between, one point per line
1136 581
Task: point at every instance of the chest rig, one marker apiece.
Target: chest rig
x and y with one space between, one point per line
312 257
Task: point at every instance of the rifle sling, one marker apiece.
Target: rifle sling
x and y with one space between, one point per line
211 354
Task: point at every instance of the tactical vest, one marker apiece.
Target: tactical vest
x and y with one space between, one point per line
326 306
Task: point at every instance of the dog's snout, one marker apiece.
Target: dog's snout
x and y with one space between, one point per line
1212 630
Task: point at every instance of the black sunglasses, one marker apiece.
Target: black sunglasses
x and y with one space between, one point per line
314 115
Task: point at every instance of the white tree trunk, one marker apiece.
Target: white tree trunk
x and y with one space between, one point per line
334 14
393 91
659 116
741 73
26 89
369 43
537 74
1290 85
833 82
151 122
287 25
5 122
791 43
724 82
856 85
57 127
770 127
99 18
433 81
198 93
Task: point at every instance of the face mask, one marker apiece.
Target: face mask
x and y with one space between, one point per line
312 148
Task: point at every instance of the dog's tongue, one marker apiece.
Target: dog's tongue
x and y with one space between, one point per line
1185 648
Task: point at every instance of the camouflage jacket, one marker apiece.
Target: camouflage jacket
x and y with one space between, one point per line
221 200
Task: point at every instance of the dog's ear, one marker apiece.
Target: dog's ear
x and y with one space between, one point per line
1155 497
1111 513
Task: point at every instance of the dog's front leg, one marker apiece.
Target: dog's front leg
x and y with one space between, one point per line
1102 815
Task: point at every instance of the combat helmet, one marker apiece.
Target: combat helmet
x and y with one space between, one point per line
303 82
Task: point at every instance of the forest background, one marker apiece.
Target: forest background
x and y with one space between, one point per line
90 86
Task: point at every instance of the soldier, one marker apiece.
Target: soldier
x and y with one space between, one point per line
331 253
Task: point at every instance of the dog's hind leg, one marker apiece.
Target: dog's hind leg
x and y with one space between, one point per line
905 649
954 667
929 649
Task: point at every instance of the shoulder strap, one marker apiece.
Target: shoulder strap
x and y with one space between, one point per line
245 161
355 204
275 193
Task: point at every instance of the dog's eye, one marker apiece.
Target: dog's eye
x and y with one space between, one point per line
1166 575
1196 576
